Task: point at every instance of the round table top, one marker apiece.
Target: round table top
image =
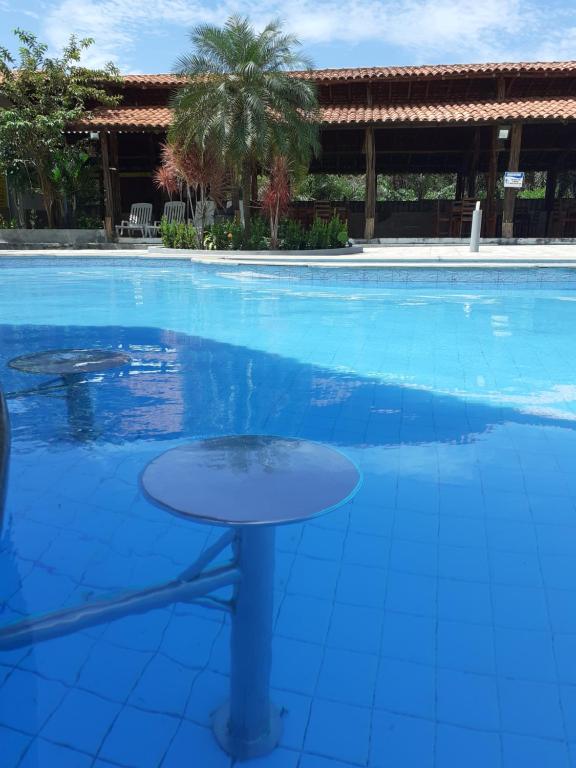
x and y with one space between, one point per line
68 361
251 479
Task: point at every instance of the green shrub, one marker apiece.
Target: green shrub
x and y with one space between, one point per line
217 237
337 232
180 235
257 240
292 235
7 223
318 236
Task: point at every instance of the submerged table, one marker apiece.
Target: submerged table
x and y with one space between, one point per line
251 483
70 365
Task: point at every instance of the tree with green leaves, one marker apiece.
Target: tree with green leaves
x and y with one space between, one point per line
241 99
43 96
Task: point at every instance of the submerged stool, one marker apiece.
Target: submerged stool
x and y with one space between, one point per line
251 483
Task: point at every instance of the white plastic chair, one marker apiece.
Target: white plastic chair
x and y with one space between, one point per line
174 213
138 220
204 213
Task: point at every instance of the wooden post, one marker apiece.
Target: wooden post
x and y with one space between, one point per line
490 215
115 179
510 194
108 185
370 194
550 197
473 167
459 186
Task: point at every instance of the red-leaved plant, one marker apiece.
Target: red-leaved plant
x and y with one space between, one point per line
277 196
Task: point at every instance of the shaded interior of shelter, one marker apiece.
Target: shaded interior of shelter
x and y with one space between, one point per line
441 120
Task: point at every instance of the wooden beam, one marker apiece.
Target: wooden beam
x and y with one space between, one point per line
459 186
108 185
473 167
114 175
370 193
510 194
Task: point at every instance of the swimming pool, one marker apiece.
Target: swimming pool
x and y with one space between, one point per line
429 623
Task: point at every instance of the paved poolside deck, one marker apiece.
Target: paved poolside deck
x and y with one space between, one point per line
545 255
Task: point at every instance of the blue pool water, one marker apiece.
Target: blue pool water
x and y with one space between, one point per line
430 623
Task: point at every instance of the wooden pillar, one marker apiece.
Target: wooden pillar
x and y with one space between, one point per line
459 186
550 197
114 176
370 194
510 194
490 213
108 185
473 166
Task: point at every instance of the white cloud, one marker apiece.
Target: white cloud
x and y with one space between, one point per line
426 29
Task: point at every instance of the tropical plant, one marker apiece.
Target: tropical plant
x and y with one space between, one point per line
69 177
178 235
241 98
292 235
276 196
44 96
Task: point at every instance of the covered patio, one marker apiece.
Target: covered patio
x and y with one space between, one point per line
471 121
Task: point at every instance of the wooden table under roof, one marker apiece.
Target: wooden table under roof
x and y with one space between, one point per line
388 120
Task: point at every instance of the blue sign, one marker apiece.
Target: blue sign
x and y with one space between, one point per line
514 179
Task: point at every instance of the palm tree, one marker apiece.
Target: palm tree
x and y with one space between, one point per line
241 98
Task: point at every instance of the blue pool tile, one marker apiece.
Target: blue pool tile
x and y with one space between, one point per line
462 531
295 665
562 610
321 543
313 577
315 761
467 699
531 709
208 692
466 647
418 496
533 753
348 677
408 637
416 526
511 536
553 510
463 500
139 739
111 671
42 753
280 758
60 659
81 721
28 700
371 519
411 593
406 688
556 539
414 557
559 571
525 654
516 569
457 747
189 639
464 563
507 505
295 715
401 741
364 549
359 585
565 646
141 633
355 628
304 618
192 742
164 686
341 731
464 601
13 746
519 607
568 699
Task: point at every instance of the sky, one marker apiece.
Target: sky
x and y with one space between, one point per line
148 35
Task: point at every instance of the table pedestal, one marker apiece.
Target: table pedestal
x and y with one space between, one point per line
249 725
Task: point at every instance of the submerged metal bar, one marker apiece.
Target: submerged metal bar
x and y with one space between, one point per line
208 555
68 620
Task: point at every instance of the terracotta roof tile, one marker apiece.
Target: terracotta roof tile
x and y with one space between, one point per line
394 73
558 109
